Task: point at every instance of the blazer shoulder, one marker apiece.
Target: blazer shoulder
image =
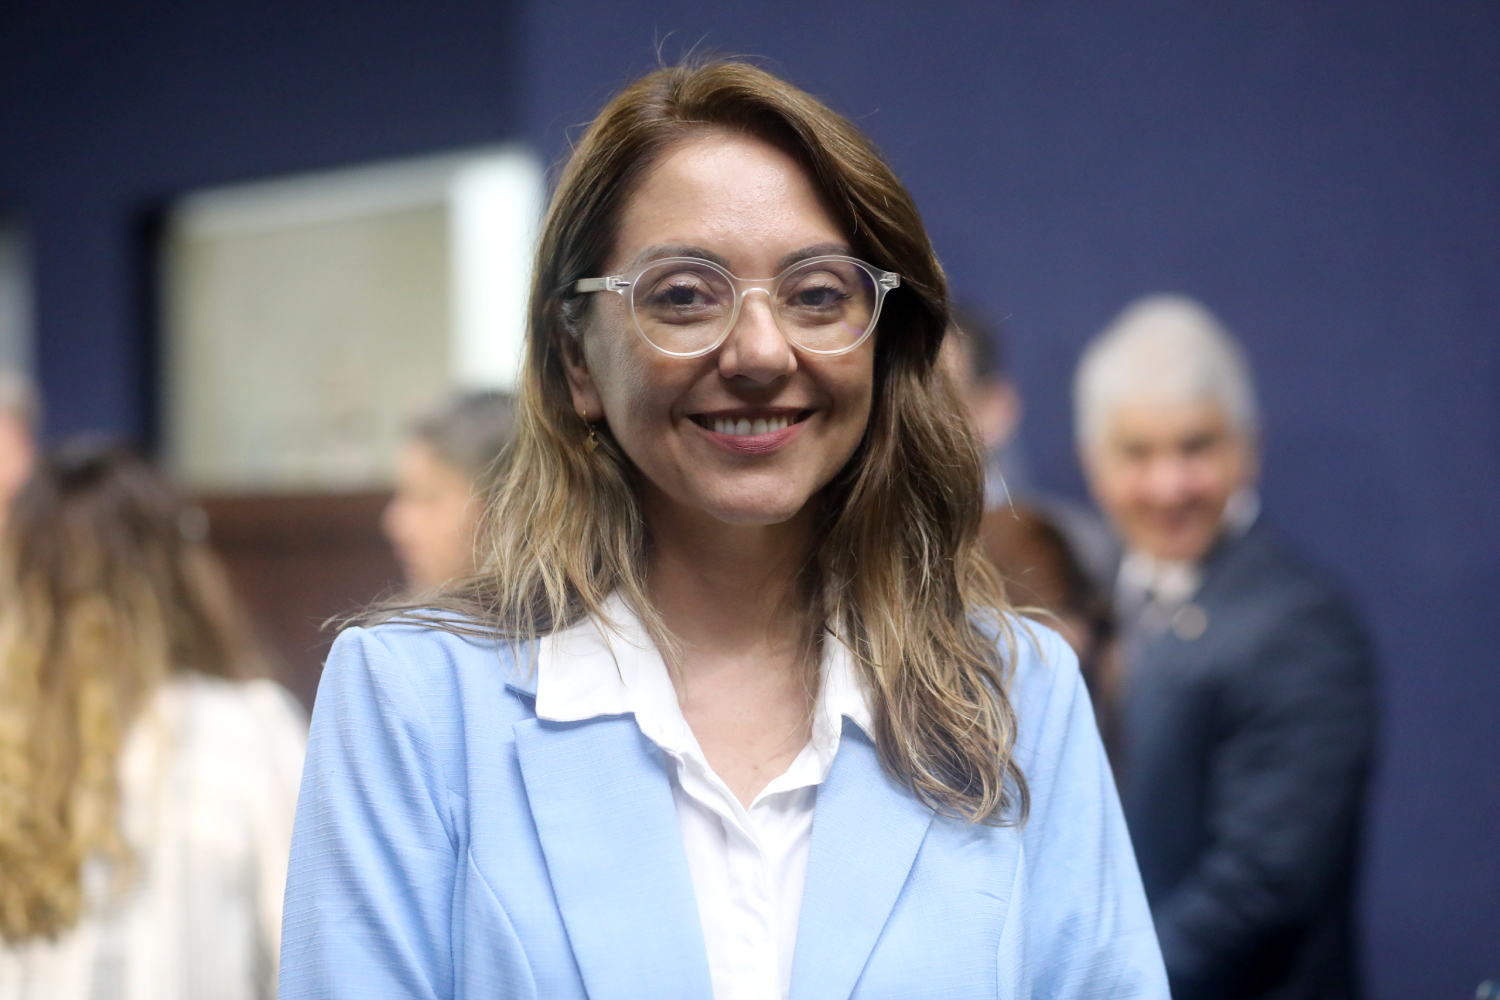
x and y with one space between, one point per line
1265 568
1287 618
435 660
1045 682
444 699
1042 656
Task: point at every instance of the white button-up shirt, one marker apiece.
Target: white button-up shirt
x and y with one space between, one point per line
748 865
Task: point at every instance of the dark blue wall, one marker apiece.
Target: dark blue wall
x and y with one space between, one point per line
109 108
1326 177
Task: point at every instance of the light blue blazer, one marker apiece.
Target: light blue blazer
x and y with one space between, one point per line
450 844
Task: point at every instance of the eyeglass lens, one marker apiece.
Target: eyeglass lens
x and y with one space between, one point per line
684 307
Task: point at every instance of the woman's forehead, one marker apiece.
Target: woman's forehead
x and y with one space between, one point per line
733 199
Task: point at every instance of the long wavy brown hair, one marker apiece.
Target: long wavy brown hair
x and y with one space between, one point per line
897 573
108 588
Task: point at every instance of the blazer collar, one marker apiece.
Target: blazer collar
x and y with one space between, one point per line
866 834
601 798
602 803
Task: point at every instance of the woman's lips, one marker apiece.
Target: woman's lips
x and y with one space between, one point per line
752 435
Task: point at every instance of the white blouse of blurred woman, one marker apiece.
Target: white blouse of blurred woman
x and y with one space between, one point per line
147 788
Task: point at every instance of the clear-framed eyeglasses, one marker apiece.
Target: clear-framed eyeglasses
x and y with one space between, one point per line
686 306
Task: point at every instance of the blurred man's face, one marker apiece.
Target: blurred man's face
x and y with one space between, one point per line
1164 471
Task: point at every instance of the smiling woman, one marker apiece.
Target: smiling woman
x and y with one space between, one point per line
731 583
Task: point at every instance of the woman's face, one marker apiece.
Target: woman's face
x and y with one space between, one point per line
432 519
751 207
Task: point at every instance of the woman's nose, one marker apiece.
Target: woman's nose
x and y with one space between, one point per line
756 349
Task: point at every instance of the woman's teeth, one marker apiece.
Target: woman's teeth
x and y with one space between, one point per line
744 425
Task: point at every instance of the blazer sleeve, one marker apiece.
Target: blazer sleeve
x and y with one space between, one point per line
1286 784
370 882
1089 927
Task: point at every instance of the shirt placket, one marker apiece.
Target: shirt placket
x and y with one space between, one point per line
754 914
752 909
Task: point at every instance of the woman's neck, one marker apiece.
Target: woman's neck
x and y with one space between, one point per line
720 585
744 669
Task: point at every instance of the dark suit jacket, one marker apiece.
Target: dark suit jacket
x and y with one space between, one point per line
1243 770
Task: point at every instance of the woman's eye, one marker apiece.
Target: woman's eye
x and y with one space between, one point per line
675 296
818 297
681 295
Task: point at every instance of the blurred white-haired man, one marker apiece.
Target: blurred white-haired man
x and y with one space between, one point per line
1246 704
18 417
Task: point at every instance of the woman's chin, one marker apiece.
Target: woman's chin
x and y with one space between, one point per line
756 515
754 508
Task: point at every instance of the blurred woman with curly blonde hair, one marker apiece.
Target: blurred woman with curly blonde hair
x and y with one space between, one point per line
147 781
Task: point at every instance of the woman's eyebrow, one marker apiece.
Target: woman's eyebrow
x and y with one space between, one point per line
816 250
663 250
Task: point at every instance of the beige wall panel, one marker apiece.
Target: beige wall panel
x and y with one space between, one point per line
297 354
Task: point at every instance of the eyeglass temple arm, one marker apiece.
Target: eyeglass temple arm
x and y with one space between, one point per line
613 283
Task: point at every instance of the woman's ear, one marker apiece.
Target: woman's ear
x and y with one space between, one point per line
585 394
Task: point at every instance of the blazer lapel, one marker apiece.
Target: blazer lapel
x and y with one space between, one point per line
866 833
603 807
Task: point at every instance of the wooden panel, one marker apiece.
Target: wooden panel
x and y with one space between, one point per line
298 559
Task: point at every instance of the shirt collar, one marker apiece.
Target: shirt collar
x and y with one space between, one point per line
593 669
1172 583
586 670
1241 512
1160 580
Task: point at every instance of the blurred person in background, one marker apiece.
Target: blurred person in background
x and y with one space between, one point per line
147 786
1247 698
1051 553
441 487
974 356
1044 580
18 416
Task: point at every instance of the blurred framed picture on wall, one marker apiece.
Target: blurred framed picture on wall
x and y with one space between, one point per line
305 321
